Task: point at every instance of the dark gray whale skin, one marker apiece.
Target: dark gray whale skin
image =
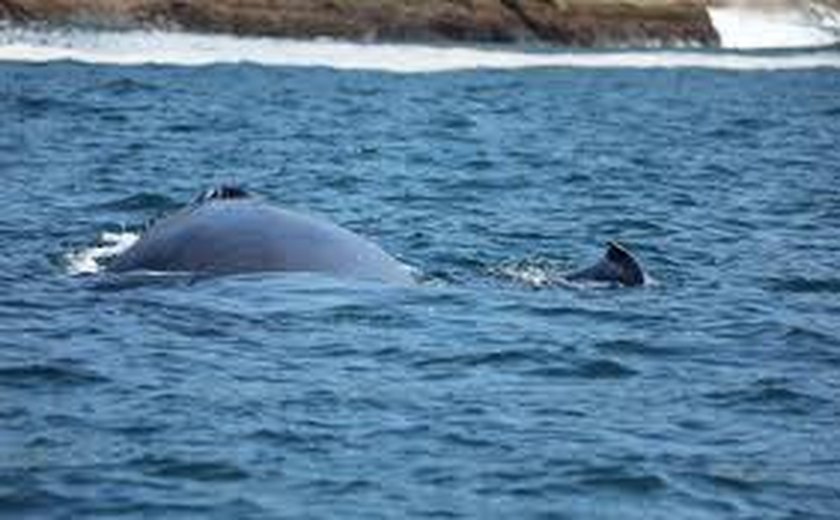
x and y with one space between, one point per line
229 232
617 266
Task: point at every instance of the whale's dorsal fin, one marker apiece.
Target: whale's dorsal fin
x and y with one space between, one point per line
223 192
617 265
630 272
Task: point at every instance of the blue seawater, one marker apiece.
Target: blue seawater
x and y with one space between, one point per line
482 392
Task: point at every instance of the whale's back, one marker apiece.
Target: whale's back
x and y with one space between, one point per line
238 235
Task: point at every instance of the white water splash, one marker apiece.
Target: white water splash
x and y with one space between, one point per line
533 276
184 49
754 27
89 260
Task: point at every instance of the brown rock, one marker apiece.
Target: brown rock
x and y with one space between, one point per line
565 22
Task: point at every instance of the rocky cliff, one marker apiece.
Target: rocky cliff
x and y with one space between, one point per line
564 22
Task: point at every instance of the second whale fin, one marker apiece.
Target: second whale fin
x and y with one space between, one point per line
617 266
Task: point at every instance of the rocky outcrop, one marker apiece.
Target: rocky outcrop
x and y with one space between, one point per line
564 22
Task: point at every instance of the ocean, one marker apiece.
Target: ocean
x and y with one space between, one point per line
489 389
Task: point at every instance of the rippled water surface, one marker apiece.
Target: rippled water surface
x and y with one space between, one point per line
484 392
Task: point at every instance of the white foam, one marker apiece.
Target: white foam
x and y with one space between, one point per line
531 275
752 27
184 49
88 260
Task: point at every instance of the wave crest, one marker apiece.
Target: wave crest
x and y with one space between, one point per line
184 49
757 26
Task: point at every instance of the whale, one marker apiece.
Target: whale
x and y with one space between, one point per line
226 230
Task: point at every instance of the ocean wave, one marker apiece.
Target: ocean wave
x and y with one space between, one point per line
601 368
768 395
129 48
763 27
59 373
141 202
195 470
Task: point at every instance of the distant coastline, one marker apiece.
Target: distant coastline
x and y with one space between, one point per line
578 23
